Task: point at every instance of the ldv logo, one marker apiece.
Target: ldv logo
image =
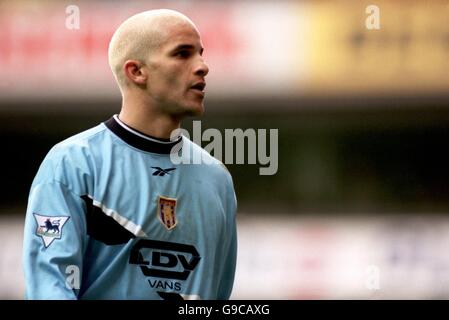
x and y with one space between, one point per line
166 259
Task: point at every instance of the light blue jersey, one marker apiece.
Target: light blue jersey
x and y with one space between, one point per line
110 216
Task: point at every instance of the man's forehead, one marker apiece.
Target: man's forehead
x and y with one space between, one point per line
183 36
181 30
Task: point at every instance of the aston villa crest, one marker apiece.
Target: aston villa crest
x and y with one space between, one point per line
49 228
166 212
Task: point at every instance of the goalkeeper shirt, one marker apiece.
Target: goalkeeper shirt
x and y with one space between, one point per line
111 216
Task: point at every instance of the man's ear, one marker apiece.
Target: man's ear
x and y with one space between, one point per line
134 72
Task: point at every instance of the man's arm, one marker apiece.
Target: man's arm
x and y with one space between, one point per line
227 279
228 273
54 239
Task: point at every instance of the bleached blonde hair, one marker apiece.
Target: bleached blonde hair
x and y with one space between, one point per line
137 37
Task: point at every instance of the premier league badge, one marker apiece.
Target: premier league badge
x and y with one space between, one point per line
49 228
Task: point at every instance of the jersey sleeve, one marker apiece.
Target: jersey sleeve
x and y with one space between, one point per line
54 239
228 273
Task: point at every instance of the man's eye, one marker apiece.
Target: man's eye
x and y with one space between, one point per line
182 54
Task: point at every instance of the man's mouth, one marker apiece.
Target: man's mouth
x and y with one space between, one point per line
199 86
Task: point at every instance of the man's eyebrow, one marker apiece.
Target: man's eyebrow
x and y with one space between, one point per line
186 47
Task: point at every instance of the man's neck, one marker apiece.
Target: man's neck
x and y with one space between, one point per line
142 118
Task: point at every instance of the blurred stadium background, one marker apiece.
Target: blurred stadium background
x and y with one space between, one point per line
359 206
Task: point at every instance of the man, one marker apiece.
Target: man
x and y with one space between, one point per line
110 216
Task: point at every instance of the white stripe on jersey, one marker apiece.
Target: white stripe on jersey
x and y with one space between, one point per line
125 223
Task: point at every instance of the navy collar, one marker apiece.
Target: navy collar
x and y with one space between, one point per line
140 140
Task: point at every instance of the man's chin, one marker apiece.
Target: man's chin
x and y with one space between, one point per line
194 111
182 111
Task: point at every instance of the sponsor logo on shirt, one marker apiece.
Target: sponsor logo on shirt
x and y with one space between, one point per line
167 260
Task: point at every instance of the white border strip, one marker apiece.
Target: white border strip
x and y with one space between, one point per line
125 223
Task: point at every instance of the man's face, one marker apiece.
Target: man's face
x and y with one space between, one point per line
176 72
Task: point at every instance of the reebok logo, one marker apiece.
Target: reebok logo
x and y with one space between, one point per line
162 172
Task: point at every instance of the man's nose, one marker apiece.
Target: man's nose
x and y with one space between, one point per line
202 69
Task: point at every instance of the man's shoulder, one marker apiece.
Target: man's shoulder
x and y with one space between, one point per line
71 156
81 139
199 155
77 146
79 143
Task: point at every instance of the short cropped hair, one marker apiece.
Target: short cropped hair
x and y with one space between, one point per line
137 37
